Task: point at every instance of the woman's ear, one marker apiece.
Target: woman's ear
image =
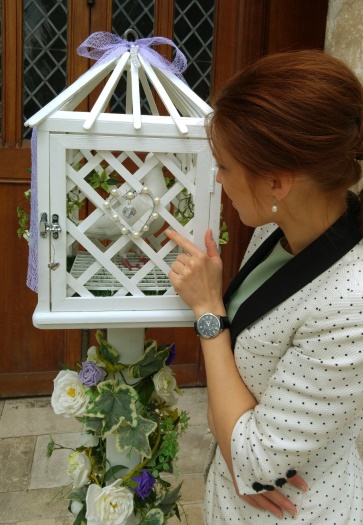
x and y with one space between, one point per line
281 184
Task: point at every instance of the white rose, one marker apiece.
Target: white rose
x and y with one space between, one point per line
76 507
89 440
165 385
79 469
92 356
111 505
69 397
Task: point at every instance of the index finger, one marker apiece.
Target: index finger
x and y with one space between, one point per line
181 241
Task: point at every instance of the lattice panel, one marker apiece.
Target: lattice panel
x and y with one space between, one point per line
115 207
119 220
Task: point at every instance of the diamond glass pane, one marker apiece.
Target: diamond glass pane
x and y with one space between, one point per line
139 16
193 34
45 53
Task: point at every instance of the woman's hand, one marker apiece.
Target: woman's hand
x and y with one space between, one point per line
274 501
197 275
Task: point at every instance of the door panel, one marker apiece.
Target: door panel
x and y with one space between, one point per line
219 37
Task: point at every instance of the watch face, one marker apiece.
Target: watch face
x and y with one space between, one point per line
208 325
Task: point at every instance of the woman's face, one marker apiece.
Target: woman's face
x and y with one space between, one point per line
252 201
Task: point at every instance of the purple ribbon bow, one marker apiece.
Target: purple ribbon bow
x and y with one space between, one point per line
103 46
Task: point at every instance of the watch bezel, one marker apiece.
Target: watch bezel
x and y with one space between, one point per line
202 318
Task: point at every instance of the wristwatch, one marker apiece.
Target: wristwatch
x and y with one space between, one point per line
209 325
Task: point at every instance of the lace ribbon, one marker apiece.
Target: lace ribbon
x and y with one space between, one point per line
103 46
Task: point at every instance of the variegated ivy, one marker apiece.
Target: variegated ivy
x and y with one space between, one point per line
143 419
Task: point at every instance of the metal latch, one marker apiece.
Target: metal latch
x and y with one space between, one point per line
46 227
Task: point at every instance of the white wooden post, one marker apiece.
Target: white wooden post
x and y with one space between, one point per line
129 342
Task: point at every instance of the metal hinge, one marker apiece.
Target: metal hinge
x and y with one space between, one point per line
45 227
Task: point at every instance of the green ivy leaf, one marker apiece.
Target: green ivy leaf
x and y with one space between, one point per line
136 437
172 496
81 516
92 423
153 517
150 362
115 404
112 182
79 495
111 472
145 390
107 351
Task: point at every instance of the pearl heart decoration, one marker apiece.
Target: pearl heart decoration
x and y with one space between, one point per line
129 210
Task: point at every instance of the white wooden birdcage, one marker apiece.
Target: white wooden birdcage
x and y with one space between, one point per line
103 254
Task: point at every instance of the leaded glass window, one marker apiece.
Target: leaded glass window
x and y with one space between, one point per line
193 34
139 16
45 53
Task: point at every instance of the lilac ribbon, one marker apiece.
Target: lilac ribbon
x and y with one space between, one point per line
32 275
102 46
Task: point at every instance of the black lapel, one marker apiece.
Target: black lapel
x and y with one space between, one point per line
320 255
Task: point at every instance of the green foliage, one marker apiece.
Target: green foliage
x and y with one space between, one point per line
115 404
23 222
136 437
150 362
141 421
153 517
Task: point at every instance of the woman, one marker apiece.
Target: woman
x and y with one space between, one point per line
284 379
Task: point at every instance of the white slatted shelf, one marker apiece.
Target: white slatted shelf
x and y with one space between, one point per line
102 280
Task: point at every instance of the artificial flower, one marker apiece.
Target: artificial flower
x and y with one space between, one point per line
111 505
79 469
172 355
145 483
92 356
165 385
76 507
69 397
91 374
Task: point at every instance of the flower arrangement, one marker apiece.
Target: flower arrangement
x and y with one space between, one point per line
141 417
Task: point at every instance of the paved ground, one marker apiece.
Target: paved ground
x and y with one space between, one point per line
31 485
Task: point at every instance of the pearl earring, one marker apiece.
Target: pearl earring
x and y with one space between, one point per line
274 206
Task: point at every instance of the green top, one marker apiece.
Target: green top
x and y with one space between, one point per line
275 260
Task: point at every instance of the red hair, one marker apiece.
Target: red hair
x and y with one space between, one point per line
299 111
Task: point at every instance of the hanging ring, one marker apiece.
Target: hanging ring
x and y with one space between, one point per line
131 32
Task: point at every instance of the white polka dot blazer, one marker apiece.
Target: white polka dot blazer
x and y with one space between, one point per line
299 349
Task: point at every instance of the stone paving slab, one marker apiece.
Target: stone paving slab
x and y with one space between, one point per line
34 505
53 521
16 458
194 401
194 447
32 417
52 472
2 403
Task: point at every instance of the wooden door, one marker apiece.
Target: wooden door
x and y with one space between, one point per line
39 39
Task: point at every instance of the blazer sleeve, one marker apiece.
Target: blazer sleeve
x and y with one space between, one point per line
313 397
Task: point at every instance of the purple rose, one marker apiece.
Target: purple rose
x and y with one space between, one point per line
91 374
171 356
146 482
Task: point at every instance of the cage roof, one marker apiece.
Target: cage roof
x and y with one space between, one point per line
179 100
